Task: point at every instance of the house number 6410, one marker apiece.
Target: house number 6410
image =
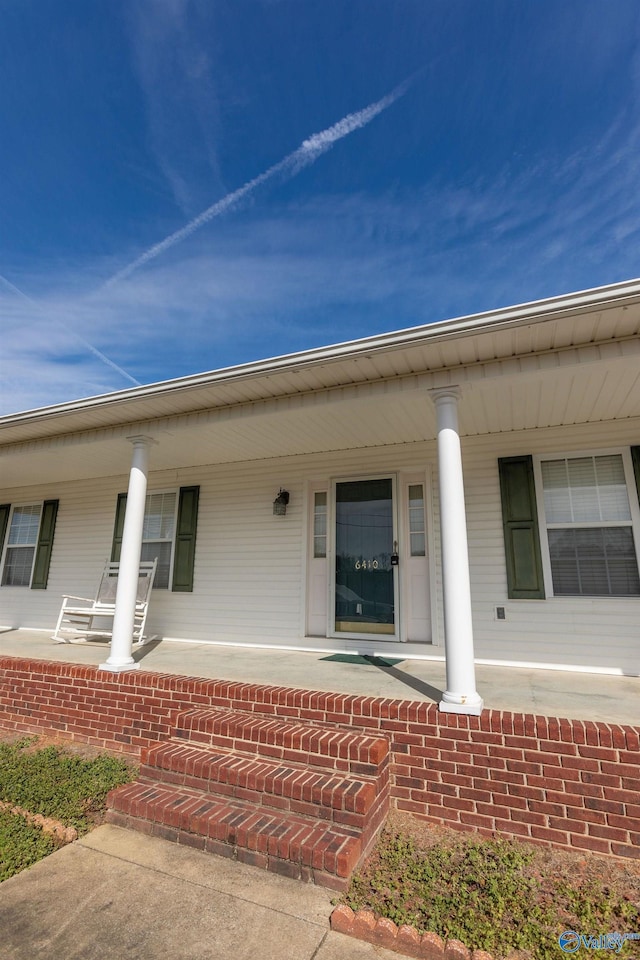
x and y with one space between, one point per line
366 564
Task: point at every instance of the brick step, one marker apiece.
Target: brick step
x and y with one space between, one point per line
262 781
281 841
286 740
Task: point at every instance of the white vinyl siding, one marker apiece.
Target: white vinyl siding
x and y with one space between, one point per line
21 545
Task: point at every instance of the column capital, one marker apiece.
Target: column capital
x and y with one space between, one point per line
142 440
438 394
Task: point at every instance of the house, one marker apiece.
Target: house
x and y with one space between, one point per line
466 490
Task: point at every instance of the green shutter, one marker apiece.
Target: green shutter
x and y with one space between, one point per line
118 528
45 545
635 456
520 522
5 510
185 548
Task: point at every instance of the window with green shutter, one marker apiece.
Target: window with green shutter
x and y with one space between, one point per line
525 577
26 533
185 548
169 534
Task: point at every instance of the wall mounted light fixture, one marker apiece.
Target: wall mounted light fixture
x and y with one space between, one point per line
280 503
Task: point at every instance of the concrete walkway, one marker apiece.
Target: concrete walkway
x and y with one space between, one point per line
117 894
554 693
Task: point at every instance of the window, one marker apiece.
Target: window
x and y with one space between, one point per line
320 524
27 533
168 533
416 520
589 520
158 534
21 546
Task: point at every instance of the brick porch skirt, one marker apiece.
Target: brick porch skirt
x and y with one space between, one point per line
570 783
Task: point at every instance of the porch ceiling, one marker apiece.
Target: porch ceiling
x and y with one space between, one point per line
376 415
562 361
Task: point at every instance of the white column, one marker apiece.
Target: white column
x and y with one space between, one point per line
126 593
461 695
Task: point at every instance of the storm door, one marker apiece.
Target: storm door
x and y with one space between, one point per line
366 557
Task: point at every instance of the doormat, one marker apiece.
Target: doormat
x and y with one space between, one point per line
357 658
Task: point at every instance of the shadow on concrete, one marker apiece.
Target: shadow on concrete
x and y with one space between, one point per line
421 686
143 651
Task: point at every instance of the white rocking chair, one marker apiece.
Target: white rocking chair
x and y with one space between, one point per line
81 617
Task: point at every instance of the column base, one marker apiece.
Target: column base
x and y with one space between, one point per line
472 706
119 667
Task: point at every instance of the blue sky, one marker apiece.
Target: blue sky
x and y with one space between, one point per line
470 155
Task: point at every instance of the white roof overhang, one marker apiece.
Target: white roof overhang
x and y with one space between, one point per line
571 359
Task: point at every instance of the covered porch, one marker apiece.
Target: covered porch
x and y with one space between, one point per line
548 693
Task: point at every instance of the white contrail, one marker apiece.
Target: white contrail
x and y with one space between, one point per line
85 343
307 153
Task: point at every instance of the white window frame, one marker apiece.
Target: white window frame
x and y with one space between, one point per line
629 477
172 540
7 546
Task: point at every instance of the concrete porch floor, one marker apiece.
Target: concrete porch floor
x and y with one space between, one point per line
576 696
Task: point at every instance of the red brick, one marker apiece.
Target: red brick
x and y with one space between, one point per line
408 941
576 794
543 757
559 748
553 836
608 832
623 796
455 950
626 850
385 933
512 827
482 760
601 779
568 823
443 788
524 767
626 822
526 791
600 753
591 843
629 783
527 816
482 796
606 806
431 947
503 776
476 820
589 816
364 924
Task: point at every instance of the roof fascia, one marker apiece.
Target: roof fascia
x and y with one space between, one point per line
538 311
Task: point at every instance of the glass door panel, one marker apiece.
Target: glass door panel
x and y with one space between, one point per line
364 582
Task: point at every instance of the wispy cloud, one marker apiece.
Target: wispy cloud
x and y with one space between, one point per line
306 154
174 68
332 267
39 308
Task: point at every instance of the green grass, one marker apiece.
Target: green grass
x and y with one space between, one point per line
21 844
497 895
55 783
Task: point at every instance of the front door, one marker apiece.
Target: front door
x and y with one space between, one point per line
366 555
